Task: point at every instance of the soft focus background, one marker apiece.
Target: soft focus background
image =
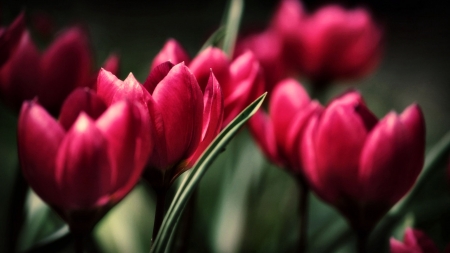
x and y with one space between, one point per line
244 203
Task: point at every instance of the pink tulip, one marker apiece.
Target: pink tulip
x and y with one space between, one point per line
185 120
52 75
361 165
279 133
241 80
331 44
88 163
415 241
10 37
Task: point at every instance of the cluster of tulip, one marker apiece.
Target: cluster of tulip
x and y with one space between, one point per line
109 133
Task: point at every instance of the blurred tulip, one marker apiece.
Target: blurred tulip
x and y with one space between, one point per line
185 120
331 44
361 165
241 80
52 75
279 133
415 241
87 164
10 37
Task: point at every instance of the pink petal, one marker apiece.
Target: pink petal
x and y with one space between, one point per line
80 100
212 117
35 128
173 52
180 102
399 247
246 85
261 128
65 65
125 126
211 59
112 64
84 169
19 77
156 75
288 98
10 38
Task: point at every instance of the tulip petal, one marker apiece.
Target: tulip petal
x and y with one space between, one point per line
80 100
180 102
126 128
211 59
36 127
84 170
10 38
156 75
398 247
65 65
19 77
112 64
173 52
212 117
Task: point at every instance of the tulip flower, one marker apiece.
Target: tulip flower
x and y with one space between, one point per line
241 80
89 162
415 241
280 131
360 165
10 37
330 44
52 75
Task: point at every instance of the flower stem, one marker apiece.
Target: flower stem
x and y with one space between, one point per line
188 220
159 214
303 214
361 241
16 214
79 243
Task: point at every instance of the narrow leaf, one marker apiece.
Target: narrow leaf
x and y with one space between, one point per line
232 20
215 39
187 187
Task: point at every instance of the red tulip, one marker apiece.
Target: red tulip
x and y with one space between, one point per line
50 76
240 80
10 37
331 44
359 164
279 133
87 164
415 241
185 120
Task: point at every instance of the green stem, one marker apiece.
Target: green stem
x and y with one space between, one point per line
188 219
361 242
303 214
79 243
159 213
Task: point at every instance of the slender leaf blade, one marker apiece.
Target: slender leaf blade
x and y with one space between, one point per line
232 20
187 187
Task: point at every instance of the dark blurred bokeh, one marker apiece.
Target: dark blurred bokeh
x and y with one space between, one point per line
415 68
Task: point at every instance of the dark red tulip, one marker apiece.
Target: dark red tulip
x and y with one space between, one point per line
240 80
185 119
87 164
414 241
361 165
280 131
10 38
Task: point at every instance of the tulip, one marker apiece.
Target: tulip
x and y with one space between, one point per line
10 37
89 162
241 80
415 241
330 44
279 132
50 76
173 98
360 165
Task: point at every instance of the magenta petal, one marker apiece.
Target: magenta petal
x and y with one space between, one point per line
156 75
414 123
19 77
10 38
80 100
211 59
180 102
35 128
126 127
287 99
84 169
398 247
261 128
212 116
173 52
65 65
414 241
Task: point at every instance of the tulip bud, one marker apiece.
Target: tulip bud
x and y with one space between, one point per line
10 38
361 165
86 168
173 52
415 241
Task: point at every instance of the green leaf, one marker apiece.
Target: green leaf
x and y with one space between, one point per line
187 186
215 39
231 21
